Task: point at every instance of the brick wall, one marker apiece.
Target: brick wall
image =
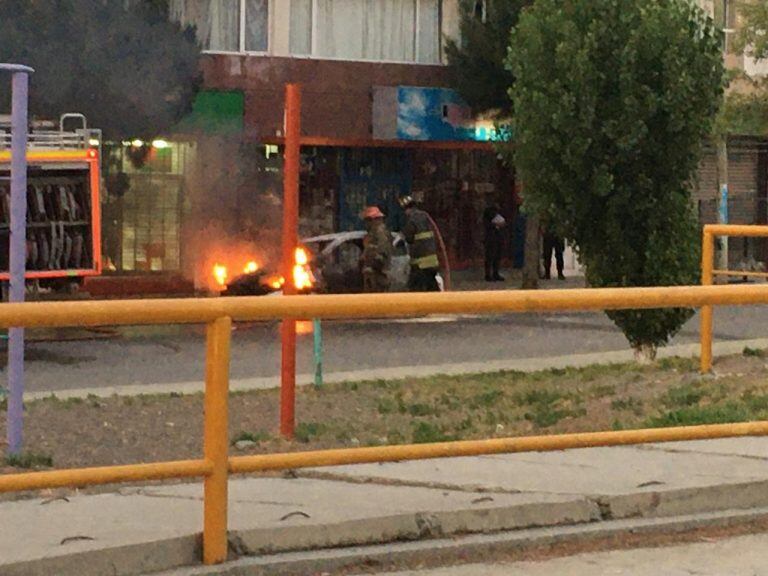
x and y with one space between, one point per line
337 95
747 193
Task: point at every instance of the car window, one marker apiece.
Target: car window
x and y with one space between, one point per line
399 247
349 255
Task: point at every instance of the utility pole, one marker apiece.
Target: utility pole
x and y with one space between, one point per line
722 164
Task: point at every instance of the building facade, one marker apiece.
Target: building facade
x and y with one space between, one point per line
378 122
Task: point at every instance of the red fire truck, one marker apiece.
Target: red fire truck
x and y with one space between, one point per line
63 217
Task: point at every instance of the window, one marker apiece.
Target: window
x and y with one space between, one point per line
379 30
480 11
226 25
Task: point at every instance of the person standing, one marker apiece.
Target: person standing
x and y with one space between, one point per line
377 251
423 248
553 243
493 223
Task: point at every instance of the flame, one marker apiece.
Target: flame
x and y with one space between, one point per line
220 274
302 275
301 256
251 267
276 282
304 327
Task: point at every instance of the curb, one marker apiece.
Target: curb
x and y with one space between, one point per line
424 530
466 549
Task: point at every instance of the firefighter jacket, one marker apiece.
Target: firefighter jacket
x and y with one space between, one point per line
377 247
421 239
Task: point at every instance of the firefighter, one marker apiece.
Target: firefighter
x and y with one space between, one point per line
420 236
377 251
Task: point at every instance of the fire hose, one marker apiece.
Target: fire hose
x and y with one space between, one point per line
443 253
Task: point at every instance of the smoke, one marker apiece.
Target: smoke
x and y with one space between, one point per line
233 209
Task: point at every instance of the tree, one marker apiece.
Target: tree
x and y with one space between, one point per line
613 100
753 34
479 73
130 70
746 111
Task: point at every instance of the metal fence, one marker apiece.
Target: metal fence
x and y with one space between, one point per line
216 465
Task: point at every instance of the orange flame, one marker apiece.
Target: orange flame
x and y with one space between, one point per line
302 275
251 267
276 282
304 327
220 274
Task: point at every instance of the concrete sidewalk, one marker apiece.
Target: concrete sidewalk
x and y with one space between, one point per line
139 530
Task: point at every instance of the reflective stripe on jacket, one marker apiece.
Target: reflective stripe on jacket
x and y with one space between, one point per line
421 239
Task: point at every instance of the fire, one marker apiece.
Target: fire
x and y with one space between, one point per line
276 282
304 327
302 275
251 267
220 274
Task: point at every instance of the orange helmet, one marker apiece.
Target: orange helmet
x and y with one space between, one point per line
372 212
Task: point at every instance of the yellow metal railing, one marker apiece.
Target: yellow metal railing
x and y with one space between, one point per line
708 274
216 464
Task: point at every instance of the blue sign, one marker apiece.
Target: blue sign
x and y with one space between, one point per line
440 114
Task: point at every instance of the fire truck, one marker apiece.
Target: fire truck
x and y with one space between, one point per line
63 188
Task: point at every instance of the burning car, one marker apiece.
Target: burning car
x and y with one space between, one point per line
327 264
255 281
336 262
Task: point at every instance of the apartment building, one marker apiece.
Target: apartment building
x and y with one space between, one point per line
378 122
378 118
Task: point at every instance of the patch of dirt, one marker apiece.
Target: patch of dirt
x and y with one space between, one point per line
122 430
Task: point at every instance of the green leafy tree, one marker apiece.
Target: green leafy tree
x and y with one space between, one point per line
478 71
613 100
753 34
123 64
477 61
746 111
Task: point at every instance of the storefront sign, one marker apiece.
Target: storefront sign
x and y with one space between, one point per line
429 114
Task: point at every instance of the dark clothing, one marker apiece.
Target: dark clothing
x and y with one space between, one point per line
376 257
552 243
494 242
421 240
423 280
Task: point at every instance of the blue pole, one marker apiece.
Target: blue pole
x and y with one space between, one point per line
317 332
18 249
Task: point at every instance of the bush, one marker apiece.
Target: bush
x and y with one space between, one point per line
613 100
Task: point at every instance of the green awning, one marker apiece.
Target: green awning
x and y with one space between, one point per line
214 112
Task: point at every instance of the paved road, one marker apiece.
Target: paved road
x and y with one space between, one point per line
742 556
176 354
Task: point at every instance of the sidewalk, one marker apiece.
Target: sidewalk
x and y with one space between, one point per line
137 530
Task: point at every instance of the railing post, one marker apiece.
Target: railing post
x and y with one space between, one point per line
290 240
17 249
707 262
216 440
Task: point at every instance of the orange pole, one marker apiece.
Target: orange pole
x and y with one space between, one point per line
216 440
347 456
104 475
290 240
707 263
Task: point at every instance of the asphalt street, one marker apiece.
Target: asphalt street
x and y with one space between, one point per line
160 355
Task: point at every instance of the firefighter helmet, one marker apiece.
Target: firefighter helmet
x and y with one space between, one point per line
406 202
372 212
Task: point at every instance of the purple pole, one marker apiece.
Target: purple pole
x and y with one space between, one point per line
18 240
